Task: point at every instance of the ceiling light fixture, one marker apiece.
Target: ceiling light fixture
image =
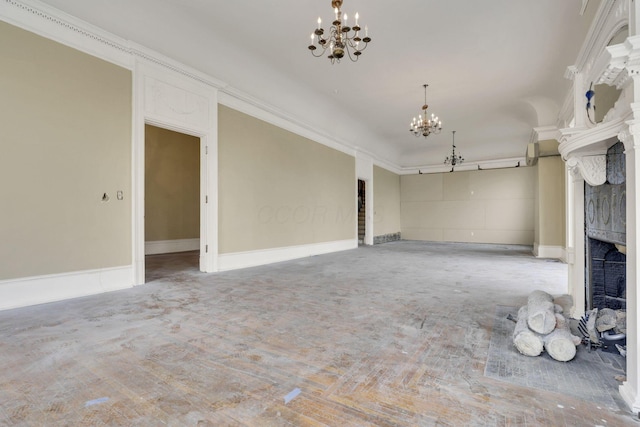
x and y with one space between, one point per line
424 125
341 38
454 159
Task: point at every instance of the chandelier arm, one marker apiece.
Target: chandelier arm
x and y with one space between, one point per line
349 54
320 53
357 44
350 41
356 53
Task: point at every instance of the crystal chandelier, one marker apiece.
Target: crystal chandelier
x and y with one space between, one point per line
341 38
424 125
454 159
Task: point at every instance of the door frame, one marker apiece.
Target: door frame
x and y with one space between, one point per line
177 102
364 172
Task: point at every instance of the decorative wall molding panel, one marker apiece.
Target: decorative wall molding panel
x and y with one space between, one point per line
176 104
605 207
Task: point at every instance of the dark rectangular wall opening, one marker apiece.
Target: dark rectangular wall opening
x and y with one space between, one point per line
608 275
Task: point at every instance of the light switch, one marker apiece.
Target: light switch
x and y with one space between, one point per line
119 195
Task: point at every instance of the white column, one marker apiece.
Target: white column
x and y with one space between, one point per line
575 239
630 388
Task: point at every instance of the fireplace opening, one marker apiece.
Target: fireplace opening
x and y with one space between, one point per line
608 276
605 233
605 258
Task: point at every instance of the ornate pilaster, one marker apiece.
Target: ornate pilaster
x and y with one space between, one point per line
630 136
575 238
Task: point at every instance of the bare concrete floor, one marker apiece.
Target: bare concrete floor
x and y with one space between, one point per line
391 335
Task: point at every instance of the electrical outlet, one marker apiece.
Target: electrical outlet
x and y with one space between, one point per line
119 195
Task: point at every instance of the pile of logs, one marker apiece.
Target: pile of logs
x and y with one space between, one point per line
541 326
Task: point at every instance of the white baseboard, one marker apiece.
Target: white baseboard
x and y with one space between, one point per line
555 252
170 246
237 260
55 287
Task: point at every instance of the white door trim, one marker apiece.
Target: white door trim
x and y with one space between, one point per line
171 100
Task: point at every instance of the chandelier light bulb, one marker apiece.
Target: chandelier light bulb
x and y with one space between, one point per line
357 19
319 22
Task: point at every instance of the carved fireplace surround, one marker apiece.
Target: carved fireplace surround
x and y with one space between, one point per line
584 146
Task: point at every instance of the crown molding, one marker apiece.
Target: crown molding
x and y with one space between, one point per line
506 163
51 23
66 29
46 21
254 107
544 133
142 53
61 27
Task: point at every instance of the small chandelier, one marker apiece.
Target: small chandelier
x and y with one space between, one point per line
424 125
341 37
454 159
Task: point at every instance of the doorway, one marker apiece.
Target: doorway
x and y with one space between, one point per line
362 202
172 220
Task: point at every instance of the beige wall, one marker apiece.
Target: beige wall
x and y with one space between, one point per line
550 218
172 185
66 139
386 200
278 189
491 206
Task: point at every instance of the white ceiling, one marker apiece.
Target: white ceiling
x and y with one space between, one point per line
495 68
